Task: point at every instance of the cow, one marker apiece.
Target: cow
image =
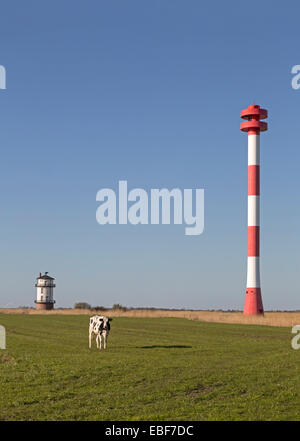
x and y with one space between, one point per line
99 325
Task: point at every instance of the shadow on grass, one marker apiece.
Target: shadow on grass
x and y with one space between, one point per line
164 347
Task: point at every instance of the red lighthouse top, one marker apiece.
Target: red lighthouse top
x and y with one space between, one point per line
253 114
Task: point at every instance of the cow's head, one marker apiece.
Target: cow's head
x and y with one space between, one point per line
105 323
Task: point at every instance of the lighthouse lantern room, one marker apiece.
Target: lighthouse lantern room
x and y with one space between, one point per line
44 292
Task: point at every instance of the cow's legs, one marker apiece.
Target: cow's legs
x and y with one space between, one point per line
105 340
100 339
90 339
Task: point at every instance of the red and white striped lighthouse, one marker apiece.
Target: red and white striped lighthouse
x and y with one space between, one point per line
253 125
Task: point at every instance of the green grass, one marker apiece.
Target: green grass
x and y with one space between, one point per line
153 369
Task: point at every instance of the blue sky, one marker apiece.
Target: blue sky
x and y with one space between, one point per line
149 92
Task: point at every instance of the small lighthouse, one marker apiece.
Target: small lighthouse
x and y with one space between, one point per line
44 292
253 126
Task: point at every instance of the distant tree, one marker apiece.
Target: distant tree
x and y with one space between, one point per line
82 305
99 308
119 307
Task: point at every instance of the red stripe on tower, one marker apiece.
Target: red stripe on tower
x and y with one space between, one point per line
253 241
253 180
253 126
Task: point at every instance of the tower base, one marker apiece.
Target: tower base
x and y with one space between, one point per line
44 306
253 302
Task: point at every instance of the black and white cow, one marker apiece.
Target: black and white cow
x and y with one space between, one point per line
99 325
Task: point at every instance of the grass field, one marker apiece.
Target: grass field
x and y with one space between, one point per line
153 369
